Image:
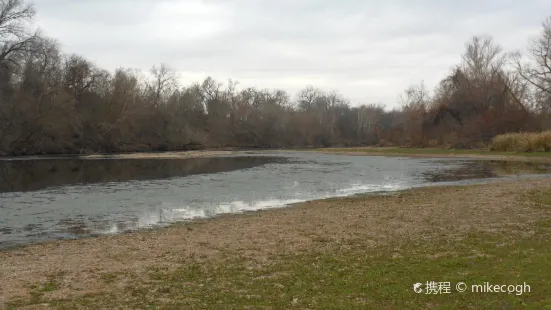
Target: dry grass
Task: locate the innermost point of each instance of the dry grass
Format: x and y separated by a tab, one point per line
522	142
68	271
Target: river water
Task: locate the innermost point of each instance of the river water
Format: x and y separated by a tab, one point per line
61	198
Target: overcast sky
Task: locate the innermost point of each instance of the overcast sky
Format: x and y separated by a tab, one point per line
369	51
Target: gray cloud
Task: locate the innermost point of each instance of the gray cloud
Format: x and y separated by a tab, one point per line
369	50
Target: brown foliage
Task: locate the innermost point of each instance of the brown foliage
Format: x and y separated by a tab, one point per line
52	103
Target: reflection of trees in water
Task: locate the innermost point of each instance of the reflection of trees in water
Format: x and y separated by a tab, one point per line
485	169
28	175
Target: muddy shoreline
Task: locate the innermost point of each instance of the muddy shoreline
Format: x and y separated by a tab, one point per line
490	156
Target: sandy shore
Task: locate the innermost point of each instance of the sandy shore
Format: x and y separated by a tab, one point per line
81	267
489	156
144	155
163	155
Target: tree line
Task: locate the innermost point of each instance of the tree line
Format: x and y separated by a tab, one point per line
53	103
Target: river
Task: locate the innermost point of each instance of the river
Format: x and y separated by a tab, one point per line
60	198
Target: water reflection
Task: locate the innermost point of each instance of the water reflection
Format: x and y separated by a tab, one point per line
117	195
32	175
485	169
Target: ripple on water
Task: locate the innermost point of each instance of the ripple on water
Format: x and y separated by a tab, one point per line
154	194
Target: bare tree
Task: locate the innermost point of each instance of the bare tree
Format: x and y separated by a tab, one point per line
52	103
15	39
537	71
46	60
482	58
415	97
13	13
307	97
82	76
163	83
415	101
368	118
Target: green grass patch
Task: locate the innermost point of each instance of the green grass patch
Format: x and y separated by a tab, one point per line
49	286
357	278
353	279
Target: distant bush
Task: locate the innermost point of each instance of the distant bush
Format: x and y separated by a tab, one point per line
522	142
433	143
479	145
542	142
385	143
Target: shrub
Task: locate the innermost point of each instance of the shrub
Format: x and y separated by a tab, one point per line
542	142
522	142
385	143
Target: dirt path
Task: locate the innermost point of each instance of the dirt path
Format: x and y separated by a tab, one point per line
100	264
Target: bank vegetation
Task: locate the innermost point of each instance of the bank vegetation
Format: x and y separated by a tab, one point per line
52	103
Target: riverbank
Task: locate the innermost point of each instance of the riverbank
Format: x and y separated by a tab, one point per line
544	157
141	155
342	253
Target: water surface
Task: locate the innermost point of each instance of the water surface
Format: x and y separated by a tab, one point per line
50	199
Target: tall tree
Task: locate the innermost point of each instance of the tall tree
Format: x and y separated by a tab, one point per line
537	69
